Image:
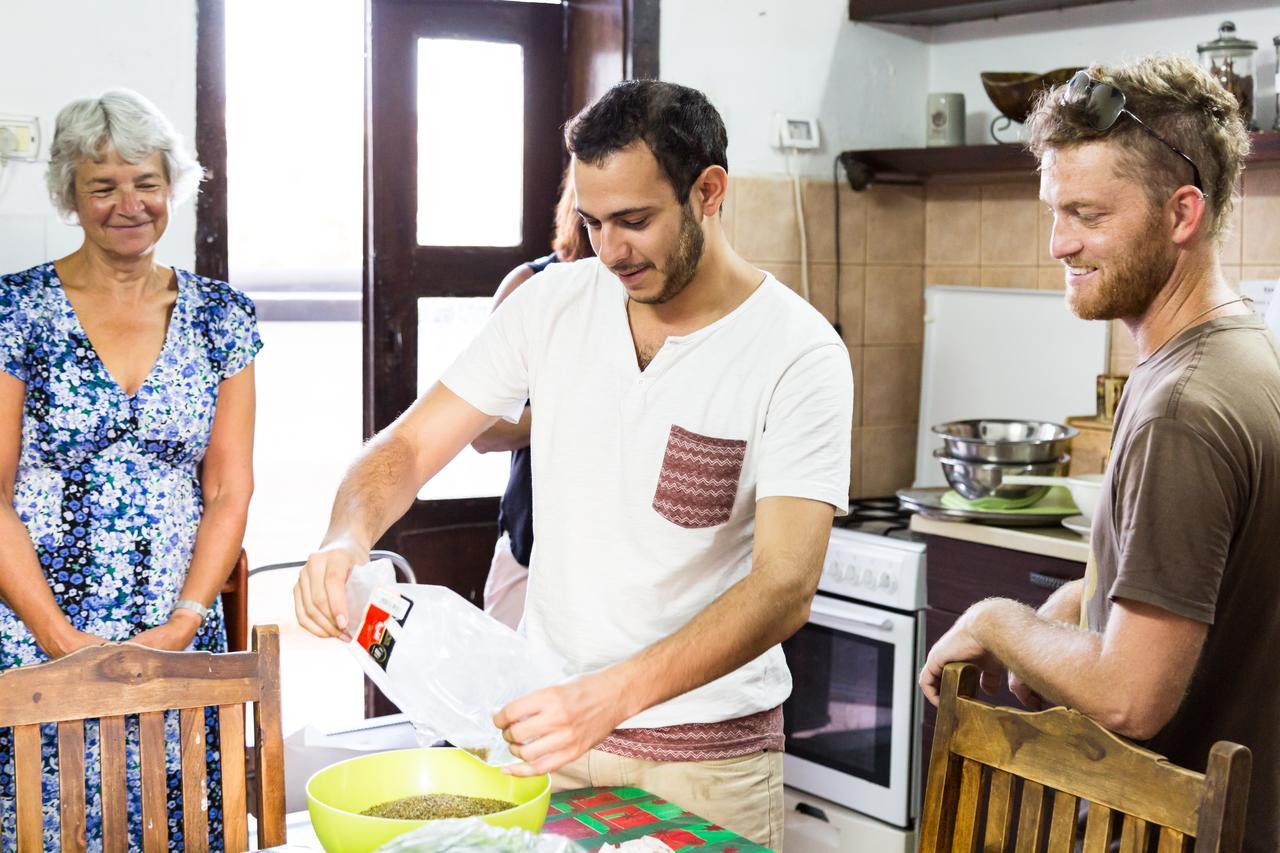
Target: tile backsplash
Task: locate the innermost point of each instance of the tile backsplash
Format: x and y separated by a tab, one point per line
897	240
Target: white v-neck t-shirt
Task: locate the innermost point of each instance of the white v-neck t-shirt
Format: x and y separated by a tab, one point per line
645	483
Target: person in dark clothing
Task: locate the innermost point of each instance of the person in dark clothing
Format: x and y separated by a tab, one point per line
509	572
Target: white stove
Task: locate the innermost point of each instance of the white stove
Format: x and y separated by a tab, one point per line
852	763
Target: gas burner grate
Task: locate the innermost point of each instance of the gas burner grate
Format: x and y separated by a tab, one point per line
876	516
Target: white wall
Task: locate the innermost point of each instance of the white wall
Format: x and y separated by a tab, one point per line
1106	33
755	58
58	50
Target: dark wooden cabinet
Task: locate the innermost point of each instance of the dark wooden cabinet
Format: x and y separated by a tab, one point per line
963	573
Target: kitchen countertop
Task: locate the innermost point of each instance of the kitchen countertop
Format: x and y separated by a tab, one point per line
1046	541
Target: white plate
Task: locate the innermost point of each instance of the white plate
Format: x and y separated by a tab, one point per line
1077	524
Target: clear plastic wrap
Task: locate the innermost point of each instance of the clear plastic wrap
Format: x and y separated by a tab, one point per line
447	665
472	835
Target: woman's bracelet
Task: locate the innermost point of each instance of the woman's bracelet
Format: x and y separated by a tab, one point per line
194	606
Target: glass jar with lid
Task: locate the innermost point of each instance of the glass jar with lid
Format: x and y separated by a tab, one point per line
1275	125
1229	59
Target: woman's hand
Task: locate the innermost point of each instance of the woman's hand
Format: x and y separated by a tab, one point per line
173	636
68	640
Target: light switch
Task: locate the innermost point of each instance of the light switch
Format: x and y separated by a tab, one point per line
19	137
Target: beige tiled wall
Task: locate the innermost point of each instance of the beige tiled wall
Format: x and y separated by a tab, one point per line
881	281
896	240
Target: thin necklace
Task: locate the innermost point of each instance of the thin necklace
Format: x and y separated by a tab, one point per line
1187	325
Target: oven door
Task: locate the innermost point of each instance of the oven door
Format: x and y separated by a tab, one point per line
850	735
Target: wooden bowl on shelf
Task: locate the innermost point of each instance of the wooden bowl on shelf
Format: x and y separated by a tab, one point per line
1015	92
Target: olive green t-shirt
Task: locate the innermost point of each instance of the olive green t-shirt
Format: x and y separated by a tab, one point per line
1189	521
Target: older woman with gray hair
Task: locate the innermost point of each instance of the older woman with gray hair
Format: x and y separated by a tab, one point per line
126	431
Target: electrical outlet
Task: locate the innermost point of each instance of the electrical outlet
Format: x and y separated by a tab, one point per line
796	131
19	137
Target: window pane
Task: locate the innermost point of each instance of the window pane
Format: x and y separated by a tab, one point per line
445	326
295	220
470	143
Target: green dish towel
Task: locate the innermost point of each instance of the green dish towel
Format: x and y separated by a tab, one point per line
1057	501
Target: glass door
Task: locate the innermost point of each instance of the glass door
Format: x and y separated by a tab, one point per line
463	159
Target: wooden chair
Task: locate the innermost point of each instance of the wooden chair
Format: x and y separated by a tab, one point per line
110	682
1043	766
235	605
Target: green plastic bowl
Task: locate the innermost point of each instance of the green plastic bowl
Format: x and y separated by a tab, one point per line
337	794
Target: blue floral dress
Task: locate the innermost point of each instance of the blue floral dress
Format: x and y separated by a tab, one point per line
108	489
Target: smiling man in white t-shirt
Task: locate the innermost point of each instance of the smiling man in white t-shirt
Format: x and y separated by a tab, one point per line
691	443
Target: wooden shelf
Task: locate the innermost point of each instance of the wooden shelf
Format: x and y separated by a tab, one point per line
931	12
914	165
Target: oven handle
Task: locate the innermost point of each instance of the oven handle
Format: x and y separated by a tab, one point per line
1049	582
881	624
820	605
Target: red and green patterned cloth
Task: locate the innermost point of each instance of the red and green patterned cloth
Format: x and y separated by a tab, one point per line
593	817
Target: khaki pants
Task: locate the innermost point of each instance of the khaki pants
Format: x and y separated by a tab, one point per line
743	794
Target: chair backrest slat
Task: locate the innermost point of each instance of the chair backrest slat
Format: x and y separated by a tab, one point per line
235	827
999	812
1062	823
1097	830
943	777
26	770
195	785
269	741
1171	841
155	814
71	785
1135	797
967	807
1030	818
115	828
1133	835
1220	828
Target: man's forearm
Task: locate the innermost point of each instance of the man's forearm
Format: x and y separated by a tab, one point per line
751	617
377	489
1064	663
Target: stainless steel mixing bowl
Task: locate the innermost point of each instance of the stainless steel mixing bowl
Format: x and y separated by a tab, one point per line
975	480
994	440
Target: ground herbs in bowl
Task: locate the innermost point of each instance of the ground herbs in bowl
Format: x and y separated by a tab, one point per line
433	806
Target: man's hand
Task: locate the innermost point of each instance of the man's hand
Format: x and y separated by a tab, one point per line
320	596
959	644
551	727
173	636
1028	697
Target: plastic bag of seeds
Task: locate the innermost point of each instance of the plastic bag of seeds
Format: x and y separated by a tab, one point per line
472	835
447	664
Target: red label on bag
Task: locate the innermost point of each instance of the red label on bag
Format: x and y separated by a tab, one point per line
374	638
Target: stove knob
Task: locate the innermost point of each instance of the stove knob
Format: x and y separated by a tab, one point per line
885	579
868	579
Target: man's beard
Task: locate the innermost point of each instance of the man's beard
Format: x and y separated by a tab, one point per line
681	262
1129	289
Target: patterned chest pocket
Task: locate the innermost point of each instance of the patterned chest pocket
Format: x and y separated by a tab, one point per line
699	479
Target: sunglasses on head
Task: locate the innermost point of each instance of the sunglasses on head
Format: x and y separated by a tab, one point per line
1103	104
